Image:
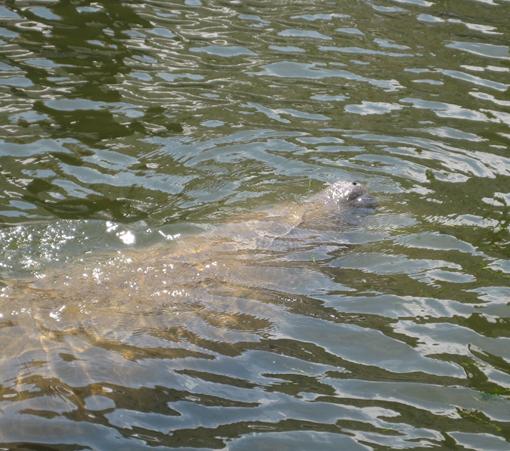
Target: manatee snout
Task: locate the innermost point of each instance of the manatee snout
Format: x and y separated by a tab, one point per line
353	194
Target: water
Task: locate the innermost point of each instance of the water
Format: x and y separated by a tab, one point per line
147	135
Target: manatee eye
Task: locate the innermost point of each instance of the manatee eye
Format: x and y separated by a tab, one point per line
354	183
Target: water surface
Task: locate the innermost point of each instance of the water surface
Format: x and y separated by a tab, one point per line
133	132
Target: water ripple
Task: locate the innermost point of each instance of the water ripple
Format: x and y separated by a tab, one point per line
164	282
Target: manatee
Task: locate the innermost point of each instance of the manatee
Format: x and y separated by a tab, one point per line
173	300
337	204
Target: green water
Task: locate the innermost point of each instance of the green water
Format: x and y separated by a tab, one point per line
142	128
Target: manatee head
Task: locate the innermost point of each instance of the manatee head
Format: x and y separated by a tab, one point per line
352	194
339	203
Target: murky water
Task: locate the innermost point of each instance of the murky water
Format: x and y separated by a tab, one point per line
146	302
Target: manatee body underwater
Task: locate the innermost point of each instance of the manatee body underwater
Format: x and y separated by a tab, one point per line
67	331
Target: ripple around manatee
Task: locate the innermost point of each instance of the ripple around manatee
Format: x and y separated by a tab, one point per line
131	129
